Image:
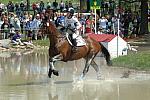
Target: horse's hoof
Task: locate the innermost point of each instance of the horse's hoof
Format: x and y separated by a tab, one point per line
82	77
55	72
109	63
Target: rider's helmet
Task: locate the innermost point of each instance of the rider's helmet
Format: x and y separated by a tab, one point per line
71	12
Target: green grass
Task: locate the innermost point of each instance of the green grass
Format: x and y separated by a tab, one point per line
41	42
140	61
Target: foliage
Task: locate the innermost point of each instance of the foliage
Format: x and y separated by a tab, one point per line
139	61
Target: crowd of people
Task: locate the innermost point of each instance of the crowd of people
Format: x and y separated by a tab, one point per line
16	21
17	17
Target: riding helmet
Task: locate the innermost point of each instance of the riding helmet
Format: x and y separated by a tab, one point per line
71	11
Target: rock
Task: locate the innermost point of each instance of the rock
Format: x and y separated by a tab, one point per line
5	43
126	74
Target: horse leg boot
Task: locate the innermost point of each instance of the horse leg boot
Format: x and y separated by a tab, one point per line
52	61
55	72
50	70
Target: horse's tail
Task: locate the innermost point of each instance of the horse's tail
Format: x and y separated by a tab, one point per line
106	55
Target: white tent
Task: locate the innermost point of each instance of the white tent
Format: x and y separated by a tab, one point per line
115	44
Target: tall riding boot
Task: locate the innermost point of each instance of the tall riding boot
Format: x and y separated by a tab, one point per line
74	48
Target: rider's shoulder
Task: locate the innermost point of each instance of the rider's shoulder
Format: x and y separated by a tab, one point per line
74	17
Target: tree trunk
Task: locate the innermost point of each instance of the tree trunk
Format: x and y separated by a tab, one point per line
83	5
28	5
144	17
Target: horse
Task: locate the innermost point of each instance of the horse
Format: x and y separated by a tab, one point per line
61	50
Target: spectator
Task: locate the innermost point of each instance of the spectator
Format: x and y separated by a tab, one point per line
36	24
66	5
16	39
103	23
1	7
17	9
10	6
37	7
34	7
55	5
1	21
30	27
89	24
48	5
17	23
70	4
22	6
41	6
5	28
61	5
11	19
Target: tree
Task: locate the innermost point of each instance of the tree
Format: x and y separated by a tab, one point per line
28	5
144	17
83	5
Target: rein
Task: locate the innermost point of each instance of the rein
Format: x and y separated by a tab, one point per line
53	34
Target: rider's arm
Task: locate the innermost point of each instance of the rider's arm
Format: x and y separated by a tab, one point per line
77	23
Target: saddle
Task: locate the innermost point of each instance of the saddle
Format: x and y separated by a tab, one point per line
77	42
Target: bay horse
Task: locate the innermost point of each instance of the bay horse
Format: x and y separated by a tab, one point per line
61	50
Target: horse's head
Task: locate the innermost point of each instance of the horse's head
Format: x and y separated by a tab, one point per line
48	27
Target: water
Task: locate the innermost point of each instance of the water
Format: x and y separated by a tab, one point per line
23	76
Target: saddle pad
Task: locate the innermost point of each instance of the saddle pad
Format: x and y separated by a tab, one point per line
79	40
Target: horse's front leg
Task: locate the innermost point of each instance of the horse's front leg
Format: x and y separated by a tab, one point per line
51	65
52	69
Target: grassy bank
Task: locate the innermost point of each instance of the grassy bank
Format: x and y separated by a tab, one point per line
41	42
140	61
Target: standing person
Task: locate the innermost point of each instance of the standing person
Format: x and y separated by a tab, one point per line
89	24
29	28
5	28
17	23
66	5
22	7
55	5
36	24
61	5
103	23
73	26
41	6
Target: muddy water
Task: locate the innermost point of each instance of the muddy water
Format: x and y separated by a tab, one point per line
23	76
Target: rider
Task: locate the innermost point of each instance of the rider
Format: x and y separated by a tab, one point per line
72	25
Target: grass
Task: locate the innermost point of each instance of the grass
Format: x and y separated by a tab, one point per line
41	42
139	61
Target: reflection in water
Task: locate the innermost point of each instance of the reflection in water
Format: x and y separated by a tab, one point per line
23	76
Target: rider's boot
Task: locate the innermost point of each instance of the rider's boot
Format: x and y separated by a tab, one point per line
74	48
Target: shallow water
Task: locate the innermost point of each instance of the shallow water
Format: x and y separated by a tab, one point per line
23	76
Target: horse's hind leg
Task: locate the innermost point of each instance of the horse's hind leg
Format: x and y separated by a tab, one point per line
87	65
97	69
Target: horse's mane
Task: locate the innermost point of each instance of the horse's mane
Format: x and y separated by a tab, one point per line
52	28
